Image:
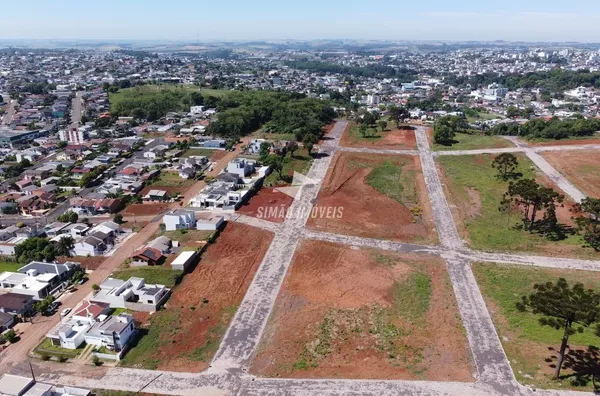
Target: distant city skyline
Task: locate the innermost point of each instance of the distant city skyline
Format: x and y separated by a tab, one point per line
187	20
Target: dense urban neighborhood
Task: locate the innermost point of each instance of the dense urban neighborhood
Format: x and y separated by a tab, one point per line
327	218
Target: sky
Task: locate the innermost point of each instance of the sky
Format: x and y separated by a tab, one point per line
188	20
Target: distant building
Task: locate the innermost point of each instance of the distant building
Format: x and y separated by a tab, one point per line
72	135
179	220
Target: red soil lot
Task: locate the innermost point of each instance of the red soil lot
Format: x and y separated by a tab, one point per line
221	278
581	167
262	205
403	138
144	209
367	212
334	303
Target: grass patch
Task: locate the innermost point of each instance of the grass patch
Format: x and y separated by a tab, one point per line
46	348
189	235
472	142
145	351
152	275
9	266
197	152
488	228
526	342
172	179
411	297
392	180
206	352
300	162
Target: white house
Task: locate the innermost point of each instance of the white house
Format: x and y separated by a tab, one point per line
241	167
180	219
112	332
133	294
212	223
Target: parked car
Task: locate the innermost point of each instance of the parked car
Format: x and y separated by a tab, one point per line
65	312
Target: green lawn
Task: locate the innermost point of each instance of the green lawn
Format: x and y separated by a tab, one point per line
188	236
477	193
152	275
172	179
9	266
46	348
260	134
583	139
525	342
472	142
198	152
392	180
163	325
484	116
300	162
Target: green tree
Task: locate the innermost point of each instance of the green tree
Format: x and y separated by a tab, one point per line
589	223
398	114
292	147
265	150
363	129
507	165
118	218
11	336
533	197
275	162
64	245
382	124
443	134
562	307
43	305
309	142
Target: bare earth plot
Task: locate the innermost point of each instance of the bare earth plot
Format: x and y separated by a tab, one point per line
474	195
144	209
185	335
362	313
380	196
268	204
581	167
531	348
404	138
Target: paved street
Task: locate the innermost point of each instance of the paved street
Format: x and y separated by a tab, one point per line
76	109
227	374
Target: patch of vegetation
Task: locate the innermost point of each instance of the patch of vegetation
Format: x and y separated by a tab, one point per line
490	229
554	128
299	162
206	352
189	236
392	180
411	297
467	141
145	352
152	275
171	179
47	348
198	152
10	266
527	343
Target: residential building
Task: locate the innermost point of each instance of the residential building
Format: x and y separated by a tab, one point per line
184	260
133	294
73	136
112	332
16	304
211	223
180	219
38	279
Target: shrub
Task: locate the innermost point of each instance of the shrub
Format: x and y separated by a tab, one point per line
96	361
45	357
62	359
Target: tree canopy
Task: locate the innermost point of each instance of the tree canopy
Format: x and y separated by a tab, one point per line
562	307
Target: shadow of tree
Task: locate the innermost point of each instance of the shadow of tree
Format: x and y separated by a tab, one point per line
584	364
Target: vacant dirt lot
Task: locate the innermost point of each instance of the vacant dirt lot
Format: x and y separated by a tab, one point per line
144	209
89	263
350	313
403	138
185	335
403	215
268	204
169	189
582	168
